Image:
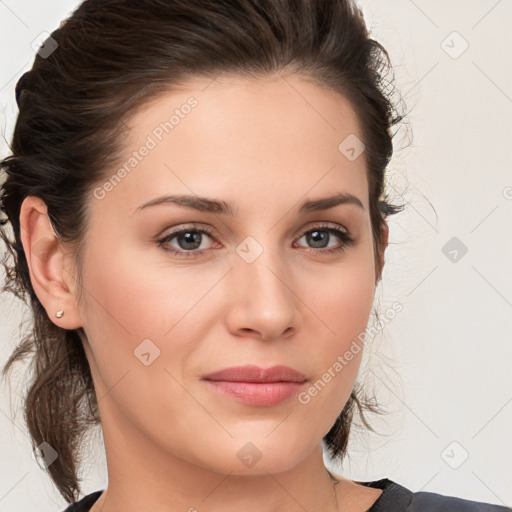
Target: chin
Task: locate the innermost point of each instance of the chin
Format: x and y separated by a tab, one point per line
257	457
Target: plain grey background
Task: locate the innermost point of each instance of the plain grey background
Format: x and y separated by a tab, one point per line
442	365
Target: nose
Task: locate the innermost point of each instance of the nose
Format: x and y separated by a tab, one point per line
263	303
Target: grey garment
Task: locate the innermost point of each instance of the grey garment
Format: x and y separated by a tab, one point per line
85	504
394	498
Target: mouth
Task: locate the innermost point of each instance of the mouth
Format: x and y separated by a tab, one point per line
257	386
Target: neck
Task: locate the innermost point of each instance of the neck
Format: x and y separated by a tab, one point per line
141	476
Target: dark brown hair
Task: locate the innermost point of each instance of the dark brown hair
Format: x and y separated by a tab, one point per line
112	57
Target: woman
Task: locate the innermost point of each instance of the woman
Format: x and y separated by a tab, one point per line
196	190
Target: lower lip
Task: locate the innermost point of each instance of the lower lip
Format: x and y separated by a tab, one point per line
257	393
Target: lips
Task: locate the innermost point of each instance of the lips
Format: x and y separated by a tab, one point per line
255	386
252	373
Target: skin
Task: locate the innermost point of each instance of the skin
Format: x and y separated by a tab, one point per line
266	145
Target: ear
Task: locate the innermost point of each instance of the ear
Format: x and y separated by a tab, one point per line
381	249
49	264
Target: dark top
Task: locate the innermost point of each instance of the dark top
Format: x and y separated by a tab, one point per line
394	498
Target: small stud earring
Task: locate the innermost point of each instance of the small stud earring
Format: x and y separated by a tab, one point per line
59	313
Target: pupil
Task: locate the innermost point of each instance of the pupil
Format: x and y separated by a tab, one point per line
316	234
189	239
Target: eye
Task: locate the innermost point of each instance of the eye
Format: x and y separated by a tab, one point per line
189	240
319	236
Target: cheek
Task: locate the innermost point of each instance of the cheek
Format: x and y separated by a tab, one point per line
342	305
342	299
135	309
130	303
139	297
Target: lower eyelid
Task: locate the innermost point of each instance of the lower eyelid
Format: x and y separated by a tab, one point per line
343	236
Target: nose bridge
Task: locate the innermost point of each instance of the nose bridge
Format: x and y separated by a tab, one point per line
262	281
261	260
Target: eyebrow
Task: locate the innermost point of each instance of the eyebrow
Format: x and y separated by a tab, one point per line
204	204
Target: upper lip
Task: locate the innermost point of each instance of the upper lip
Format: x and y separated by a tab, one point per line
252	373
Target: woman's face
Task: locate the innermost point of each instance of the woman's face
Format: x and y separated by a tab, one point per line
265	286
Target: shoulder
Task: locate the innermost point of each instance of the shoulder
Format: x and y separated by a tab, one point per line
397	498
423	501
85	504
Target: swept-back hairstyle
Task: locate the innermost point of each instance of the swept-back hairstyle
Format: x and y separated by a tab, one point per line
110	58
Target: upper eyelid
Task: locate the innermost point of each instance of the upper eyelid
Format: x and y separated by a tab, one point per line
211	232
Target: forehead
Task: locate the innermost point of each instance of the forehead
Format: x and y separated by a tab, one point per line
233	135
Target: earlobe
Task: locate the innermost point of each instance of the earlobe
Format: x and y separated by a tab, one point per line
46	262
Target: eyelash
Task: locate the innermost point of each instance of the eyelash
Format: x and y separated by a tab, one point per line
344	236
